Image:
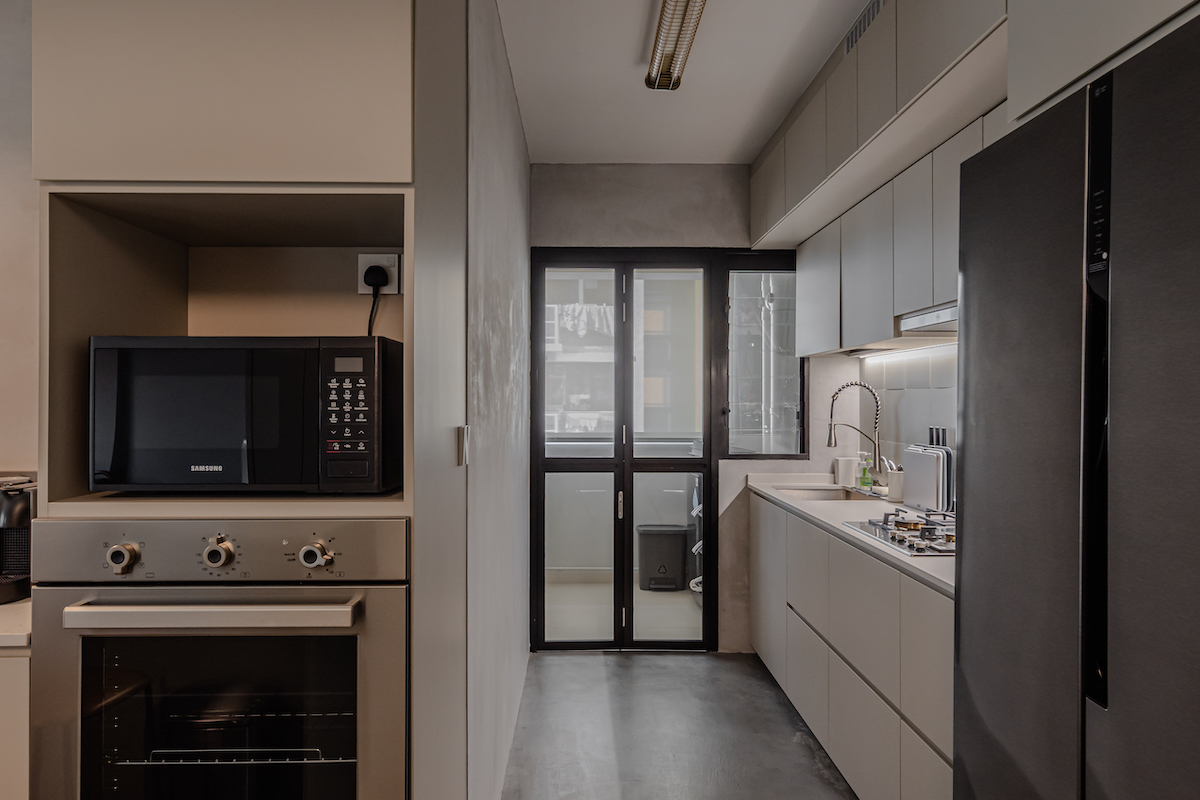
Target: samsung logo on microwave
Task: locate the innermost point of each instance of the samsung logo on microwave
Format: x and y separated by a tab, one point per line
207	468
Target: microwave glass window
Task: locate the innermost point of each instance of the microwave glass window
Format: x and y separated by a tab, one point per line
347	364
234	717
188	415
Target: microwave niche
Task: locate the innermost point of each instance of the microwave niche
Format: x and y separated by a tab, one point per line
227	414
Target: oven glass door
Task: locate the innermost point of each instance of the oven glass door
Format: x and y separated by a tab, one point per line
237	693
204	417
183	717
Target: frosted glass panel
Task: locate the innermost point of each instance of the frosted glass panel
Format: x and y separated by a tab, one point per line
580	514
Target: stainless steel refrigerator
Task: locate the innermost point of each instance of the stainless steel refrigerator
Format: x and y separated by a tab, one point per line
1077	658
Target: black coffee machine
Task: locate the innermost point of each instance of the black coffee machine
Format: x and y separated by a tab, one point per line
16	513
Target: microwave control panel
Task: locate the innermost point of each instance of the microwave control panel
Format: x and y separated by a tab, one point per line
349	382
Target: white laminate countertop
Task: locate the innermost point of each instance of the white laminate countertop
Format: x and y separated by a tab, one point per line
936	572
15	622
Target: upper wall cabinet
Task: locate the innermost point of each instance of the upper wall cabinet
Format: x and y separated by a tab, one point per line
767	193
1052	43
804	146
876	50
867	270
946	162
913	237
223	90
931	34
818	292
841	124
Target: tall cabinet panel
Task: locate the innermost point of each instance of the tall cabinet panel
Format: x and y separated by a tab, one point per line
946	162
804	146
931	34
819	292
767	193
913	232
867	270
841	125
138	90
877	73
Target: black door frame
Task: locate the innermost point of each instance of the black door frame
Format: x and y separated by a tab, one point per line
717	264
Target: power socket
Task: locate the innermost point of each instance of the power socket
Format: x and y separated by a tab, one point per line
390	261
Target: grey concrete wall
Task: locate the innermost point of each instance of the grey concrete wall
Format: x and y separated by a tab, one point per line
640	205
18	242
498	325
825	375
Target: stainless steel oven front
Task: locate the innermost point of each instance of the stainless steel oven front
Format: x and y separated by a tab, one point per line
167	677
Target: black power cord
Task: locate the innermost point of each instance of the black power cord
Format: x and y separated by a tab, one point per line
376	277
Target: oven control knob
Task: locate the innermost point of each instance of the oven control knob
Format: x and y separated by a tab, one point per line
122	557
218	553
314	555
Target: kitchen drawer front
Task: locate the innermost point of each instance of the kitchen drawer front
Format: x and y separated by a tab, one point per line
864	616
808	572
927	662
14	727
864	735
768	585
808	676
923	773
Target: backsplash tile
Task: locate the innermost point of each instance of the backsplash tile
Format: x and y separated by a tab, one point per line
916	391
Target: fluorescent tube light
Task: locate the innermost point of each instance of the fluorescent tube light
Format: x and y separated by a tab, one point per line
677	24
896	355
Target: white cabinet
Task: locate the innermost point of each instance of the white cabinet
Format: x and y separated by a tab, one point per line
841	117
923	775
223	90
14	726
864	615
1052	43
932	34
867	270
804	151
876	50
808	572
808	676
819	292
946	162
927	662
864	735
912	246
767	193
768	585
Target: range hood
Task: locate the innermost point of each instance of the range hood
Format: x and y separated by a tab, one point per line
925	328
943	319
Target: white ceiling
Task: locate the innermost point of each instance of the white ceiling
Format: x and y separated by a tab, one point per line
579	67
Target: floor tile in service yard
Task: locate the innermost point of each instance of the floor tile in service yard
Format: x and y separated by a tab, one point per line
669	726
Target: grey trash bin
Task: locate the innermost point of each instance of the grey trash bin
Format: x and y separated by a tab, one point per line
662	556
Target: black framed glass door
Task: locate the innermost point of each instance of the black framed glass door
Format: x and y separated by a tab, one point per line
621	451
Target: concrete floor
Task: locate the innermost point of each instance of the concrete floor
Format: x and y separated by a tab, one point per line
675	726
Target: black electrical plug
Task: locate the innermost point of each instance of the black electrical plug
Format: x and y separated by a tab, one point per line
376	277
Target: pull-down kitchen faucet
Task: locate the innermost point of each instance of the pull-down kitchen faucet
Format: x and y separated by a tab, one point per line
878	474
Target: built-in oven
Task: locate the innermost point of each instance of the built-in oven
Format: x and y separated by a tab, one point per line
280	673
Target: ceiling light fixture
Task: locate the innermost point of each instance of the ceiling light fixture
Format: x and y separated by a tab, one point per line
677	23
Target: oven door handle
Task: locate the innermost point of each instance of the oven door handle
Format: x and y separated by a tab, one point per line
298	615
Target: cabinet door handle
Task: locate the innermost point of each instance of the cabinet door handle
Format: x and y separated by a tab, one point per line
97	617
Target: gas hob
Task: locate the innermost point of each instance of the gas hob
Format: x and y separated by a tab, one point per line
931	534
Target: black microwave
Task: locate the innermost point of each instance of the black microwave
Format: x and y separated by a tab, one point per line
230	414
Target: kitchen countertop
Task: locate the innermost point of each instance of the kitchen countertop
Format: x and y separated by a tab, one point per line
936	572
15	623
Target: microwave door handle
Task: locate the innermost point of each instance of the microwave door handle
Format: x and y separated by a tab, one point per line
132	617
